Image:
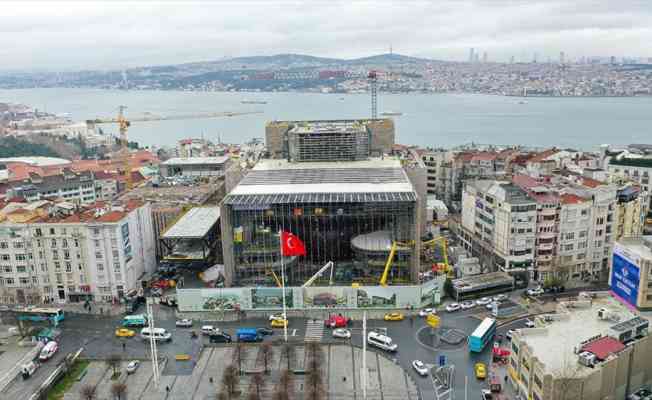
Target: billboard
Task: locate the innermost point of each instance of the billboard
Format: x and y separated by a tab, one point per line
625	277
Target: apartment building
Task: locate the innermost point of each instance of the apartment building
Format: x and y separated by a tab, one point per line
498	227
439	173
594	348
69	253
638	170
68	185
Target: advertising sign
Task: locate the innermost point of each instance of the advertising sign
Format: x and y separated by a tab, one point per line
625	277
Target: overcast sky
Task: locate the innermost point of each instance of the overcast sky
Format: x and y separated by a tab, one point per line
117	34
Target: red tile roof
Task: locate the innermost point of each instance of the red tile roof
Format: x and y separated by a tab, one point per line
604	347
484	156
571	199
538	157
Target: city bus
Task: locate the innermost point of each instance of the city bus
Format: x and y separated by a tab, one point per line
482	335
134	320
53	315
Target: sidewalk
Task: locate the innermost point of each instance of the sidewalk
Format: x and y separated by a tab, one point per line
78	308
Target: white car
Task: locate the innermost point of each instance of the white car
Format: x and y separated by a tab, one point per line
208	330
467	304
342	333
535	292
490	306
509	334
427	311
529	323
487	395
500	297
453	307
483	301
132	366
184	323
420	367
278	316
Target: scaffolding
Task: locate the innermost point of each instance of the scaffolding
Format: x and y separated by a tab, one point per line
329	141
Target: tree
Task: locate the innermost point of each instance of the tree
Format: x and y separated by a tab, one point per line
118	390
240	354
258	380
253	396
267	351
88	392
230	379
285	381
287	351
280	394
113	362
222	395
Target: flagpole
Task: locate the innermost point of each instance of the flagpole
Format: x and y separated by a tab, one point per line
285	325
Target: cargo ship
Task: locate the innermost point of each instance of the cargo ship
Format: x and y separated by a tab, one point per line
253	102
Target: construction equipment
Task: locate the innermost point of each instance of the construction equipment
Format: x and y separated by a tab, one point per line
445	267
124	123
319	273
276	279
388	264
441	267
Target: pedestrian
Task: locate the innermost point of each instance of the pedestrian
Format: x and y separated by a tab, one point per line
210	380
101	311
167	389
505	378
124	346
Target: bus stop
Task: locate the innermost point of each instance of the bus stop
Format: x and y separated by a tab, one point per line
475	286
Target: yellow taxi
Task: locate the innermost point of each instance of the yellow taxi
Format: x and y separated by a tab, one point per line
124	332
395	316
278	323
480	371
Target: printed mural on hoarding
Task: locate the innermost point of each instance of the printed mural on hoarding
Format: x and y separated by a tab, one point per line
625	277
271	298
222	299
325	297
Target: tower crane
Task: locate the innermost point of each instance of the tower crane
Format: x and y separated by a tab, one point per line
124	123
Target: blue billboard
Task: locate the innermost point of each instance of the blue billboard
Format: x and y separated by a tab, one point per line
625	279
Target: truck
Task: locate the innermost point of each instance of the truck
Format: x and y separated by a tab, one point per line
248	335
337	321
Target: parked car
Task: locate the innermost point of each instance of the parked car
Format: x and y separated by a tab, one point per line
480	370
640	394
453	307
124	332
483	301
337	321
529	323
184	323
265	331
209	329
132	366
279	323
538	291
467	304
490	306
342	333
509	334
500	297
420	367
395	316
426	311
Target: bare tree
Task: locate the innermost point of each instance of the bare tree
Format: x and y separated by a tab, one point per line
287	351
113	362
240	354
119	389
286	382
230	379
88	392
267	350
222	395
314	385
258	380
253	396
280	394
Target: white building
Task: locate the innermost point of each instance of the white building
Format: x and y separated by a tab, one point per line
195	166
70	254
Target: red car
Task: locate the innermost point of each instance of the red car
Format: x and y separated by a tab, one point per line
337	321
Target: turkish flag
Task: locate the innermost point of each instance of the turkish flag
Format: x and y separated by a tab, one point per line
291	245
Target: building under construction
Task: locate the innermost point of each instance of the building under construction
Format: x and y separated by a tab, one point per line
347	212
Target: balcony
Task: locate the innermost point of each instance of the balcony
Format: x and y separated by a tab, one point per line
546	246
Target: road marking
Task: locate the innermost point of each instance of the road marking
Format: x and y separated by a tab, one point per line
314	331
294	332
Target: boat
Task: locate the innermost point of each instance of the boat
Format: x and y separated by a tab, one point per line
391	113
522	102
253	102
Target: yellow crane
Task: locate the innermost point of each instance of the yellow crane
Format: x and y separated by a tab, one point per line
124	123
392	252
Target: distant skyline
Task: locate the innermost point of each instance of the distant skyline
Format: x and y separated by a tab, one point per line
76	35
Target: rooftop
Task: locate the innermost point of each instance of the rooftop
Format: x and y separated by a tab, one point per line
488	280
196	160
194	224
640	245
36	161
283	177
552	344
328	127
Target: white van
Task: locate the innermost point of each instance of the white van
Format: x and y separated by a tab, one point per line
48	351
156	333
381	341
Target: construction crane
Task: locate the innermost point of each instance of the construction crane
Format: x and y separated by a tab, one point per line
124	123
276	279
392	252
319	273
373	86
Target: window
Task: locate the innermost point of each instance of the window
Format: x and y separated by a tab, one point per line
39	243
7	269
98	244
38	232
68	267
59	278
568	247
583	234
3	245
585	212
116	254
51	231
44	267
96	231
21	257
5	257
34	280
66	254
55	255
581	256
116	267
20	269
41	255
76	243
64	243
98	255
570	235
582	245
54	242
45	279
598	243
9	281
18	245
100	267
57	265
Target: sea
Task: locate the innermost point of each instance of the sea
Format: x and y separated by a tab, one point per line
428	120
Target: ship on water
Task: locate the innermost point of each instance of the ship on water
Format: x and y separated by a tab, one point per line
253	101
391	113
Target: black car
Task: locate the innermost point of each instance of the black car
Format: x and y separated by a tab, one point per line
265	331
220	337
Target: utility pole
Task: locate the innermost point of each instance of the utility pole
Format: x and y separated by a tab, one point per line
152	341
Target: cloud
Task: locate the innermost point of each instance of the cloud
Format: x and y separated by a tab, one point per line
117	34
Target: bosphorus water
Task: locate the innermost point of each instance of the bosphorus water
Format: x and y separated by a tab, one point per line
428	119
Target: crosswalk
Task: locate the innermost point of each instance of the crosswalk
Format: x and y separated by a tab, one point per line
314	331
